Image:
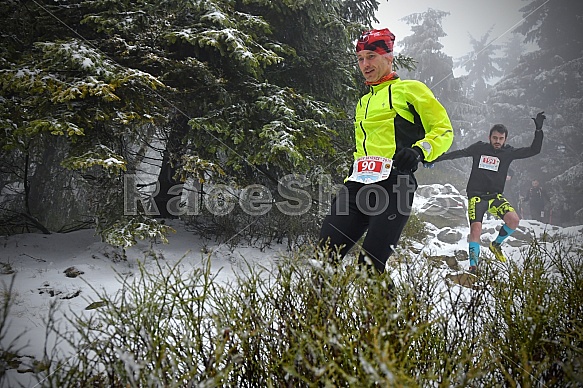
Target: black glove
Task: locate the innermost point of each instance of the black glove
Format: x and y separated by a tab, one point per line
538	122
408	158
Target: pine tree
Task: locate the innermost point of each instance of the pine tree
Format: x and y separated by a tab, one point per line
481	66
105	88
433	67
66	104
512	51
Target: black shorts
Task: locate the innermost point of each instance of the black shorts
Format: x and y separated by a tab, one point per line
495	204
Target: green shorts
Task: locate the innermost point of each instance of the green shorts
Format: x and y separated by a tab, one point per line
495	204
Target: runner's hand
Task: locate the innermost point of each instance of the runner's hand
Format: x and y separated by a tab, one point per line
538	121
408	158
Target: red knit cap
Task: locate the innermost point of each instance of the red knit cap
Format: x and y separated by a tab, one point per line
380	41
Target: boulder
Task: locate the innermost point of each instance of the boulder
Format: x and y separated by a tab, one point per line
441	205
449	235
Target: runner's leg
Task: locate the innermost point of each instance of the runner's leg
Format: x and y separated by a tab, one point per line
504	210
476	209
389	206
345	224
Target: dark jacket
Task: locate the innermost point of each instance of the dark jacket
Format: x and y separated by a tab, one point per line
490	166
537	197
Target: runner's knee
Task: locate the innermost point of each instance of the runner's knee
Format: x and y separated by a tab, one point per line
512	220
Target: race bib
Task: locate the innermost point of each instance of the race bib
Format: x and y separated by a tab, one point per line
371	169
489	163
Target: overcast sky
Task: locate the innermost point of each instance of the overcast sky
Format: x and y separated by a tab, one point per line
466	16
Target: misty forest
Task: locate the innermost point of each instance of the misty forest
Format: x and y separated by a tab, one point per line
236	118
116	113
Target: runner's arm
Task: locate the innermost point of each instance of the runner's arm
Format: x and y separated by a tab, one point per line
435	120
464	152
534	149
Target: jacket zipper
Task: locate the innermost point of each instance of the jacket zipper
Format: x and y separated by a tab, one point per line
361	126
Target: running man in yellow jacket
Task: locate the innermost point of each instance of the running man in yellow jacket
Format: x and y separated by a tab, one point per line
398	124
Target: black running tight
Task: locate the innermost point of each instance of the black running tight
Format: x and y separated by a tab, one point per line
380	209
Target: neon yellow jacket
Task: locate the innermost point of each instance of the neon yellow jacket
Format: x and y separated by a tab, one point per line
398	114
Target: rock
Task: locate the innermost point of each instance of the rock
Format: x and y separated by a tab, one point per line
95	305
72	272
464	279
452	262
484	241
461	255
520	237
442	205
438	261
6	269
449	235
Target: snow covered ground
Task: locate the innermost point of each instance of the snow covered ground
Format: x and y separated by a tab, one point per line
40	264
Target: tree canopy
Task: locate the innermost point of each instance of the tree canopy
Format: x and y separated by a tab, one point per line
549	80
91	89
481	65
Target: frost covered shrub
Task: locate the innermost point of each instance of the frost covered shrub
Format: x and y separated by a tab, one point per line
305	323
125	232
532	329
156	331
415	230
238	227
8	349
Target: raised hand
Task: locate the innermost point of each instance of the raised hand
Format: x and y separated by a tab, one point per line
538	121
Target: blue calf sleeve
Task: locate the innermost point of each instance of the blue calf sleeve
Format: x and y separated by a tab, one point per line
504	233
474	253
